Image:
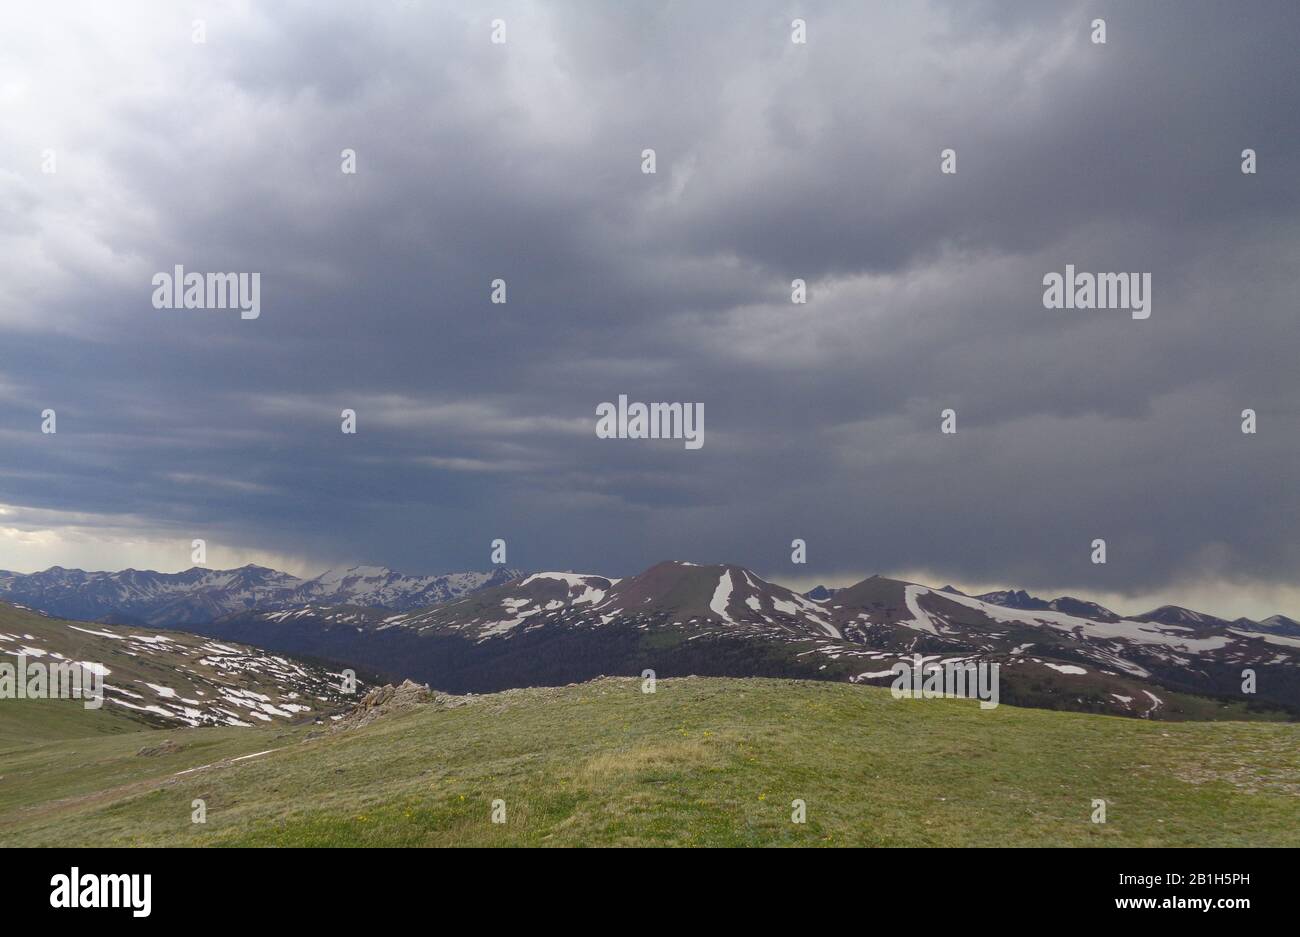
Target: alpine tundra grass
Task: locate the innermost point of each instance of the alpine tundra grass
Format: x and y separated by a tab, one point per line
698	762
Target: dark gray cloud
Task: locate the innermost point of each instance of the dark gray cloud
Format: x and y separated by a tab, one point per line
776	161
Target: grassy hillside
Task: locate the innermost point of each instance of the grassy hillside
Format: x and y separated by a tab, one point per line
702	761
22	721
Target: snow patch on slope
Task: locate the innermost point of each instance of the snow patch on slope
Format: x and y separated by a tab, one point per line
721	596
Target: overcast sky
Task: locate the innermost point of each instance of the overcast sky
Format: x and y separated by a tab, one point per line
775	160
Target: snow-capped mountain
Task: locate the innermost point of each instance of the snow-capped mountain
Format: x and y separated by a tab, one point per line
1165	614
678	618
201	595
379	587
669	593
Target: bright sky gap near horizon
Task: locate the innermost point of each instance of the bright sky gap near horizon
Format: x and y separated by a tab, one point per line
775	161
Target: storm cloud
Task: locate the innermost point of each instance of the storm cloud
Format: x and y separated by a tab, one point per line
775	161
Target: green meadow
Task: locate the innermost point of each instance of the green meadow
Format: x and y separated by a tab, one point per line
713	762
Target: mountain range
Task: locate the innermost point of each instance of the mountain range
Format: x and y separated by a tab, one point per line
145	597
680	618
1165	614
481	632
